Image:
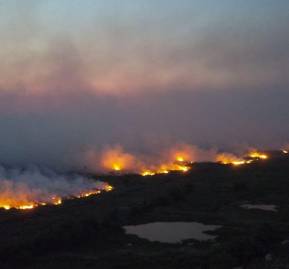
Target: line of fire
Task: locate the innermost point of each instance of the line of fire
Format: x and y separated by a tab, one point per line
180	163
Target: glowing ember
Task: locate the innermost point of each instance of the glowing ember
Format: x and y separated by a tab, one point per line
163	172
56	200
116	167
87	194
166	169
148	173
258	155
108	188
227	158
25	207
180	159
237	163
182	168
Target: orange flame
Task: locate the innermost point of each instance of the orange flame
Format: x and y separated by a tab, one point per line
228	158
24	203
115	159
258	155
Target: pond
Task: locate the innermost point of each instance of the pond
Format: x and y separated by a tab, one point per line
260	207
172	232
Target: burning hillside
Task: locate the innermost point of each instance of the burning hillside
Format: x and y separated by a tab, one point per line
179	158
29	188
32	187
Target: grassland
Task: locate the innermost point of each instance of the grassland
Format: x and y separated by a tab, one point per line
88	233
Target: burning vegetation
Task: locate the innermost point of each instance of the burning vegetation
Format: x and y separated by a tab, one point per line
24	201
178	159
30	188
115	159
250	157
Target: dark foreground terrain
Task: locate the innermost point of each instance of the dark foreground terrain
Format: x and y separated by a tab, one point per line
88	233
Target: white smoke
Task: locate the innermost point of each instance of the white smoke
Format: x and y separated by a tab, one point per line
36	185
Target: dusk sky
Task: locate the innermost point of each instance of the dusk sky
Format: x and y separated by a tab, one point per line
80	74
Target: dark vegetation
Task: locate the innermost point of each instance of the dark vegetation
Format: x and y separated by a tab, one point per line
88	233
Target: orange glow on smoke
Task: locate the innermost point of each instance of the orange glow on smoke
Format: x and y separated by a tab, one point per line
228	158
182	153
115	159
178	160
22	202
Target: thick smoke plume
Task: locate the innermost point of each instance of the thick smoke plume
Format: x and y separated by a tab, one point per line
161	74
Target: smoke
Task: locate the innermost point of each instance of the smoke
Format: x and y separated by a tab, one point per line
139	86
145	80
32	186
57	132
111	158
117	159
175	158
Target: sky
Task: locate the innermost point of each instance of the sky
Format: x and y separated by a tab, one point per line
80	74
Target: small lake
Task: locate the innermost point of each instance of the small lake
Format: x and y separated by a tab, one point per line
172	232
272	208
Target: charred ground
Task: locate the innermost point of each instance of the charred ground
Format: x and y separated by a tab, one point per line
88	233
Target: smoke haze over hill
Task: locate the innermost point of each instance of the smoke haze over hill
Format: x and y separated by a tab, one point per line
83	75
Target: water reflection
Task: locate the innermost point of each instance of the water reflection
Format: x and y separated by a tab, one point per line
172	232
260	207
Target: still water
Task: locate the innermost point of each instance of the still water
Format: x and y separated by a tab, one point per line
172	232
260	207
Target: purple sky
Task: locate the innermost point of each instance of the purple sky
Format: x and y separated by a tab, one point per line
83	74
